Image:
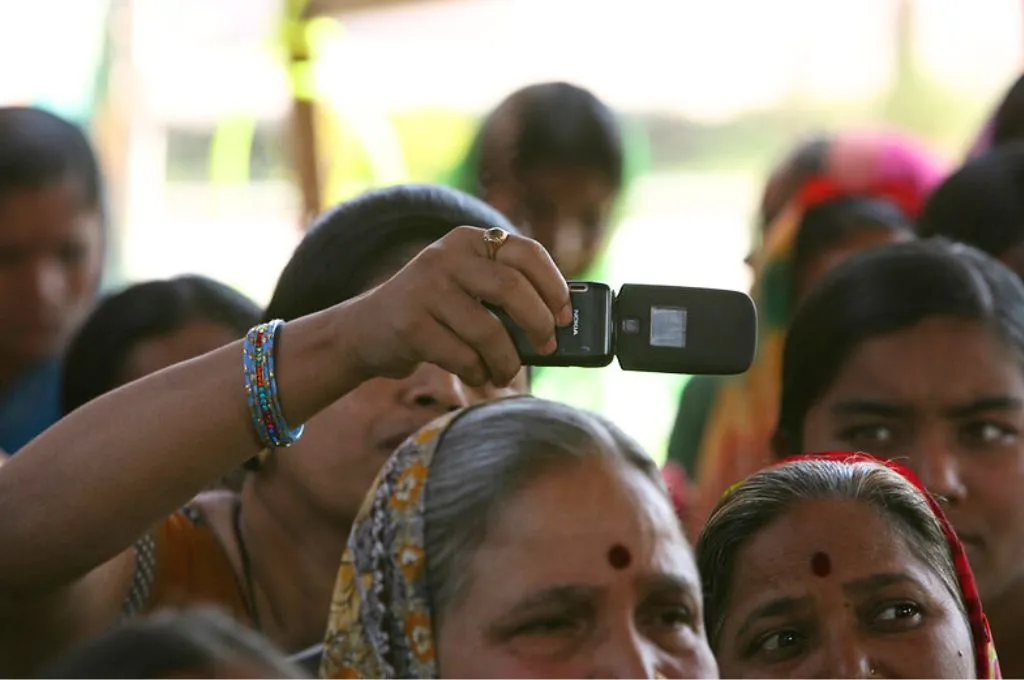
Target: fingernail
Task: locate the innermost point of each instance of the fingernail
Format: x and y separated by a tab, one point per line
550	347
565	316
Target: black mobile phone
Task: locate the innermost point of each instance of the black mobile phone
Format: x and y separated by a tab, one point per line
662	329
696	331
588	341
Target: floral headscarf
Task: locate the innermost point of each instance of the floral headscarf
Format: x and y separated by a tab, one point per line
885	166
380	619
985	658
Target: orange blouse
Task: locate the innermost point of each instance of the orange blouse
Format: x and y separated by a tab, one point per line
181	564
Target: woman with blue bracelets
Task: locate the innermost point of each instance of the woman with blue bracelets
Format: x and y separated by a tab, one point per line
77	500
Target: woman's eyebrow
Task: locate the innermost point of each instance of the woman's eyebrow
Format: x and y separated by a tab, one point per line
870	407
562	595
664	583
779	606
562	598
985	404
877	581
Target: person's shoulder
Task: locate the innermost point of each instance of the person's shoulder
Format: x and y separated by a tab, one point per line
30	405
195	556
210	514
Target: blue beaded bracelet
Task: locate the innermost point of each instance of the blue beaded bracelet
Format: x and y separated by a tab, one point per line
261	387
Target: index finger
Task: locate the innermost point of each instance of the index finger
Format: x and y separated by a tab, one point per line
534	262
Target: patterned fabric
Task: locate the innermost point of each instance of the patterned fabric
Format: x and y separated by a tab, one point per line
740	423
986	660
380	618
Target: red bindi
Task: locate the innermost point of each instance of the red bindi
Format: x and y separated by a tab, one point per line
821	565
619	557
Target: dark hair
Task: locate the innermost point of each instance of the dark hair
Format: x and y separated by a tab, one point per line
350	246
830	224
38	148
548	124
201	642
881	291
1008	122
982	203
822	228
95	359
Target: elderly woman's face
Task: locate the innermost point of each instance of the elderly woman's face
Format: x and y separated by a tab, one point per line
585	574
807	601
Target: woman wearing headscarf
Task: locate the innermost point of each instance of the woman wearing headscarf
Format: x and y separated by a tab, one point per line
891	595
455	569
833	197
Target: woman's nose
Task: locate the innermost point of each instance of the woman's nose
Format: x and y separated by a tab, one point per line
939	471
433	388
846	657
623	655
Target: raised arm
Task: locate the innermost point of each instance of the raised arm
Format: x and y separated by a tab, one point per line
85	489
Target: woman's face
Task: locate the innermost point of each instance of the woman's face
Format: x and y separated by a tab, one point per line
861	239
584	574
344	446
566	209
946	397
807	601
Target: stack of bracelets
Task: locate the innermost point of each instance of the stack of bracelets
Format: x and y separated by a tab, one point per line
261	387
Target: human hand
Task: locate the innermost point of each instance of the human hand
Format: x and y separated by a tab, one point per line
431	310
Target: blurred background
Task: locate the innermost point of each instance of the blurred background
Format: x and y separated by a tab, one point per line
225	124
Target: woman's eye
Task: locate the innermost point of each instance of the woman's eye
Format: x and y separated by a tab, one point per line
549	626
780	640
871	438
986	433
780	645
898	615
72	253
674	617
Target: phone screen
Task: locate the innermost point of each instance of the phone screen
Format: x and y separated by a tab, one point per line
668	327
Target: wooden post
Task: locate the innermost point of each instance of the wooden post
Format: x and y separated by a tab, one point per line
111	130
303	115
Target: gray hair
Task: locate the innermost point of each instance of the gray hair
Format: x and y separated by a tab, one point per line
489	454
767	495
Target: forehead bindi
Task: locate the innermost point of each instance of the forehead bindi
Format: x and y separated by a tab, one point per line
619	557
821	564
